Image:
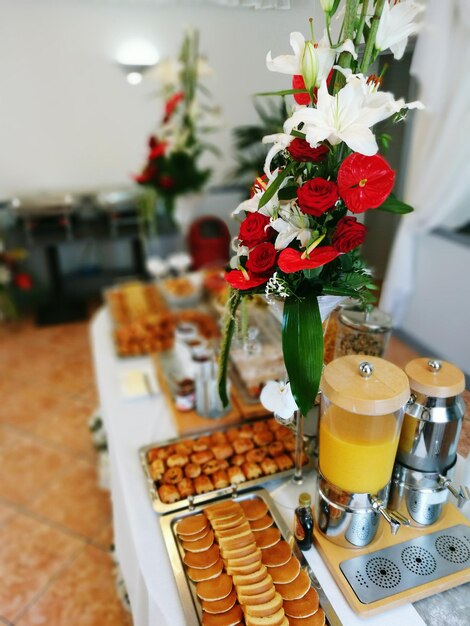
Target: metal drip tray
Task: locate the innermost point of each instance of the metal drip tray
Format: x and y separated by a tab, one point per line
386	572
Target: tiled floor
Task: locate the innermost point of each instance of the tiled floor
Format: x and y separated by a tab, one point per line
55	523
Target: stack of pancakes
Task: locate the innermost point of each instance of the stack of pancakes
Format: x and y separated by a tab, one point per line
244	572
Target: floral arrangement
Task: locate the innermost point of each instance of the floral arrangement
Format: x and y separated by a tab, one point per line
12	278
299	235
173	152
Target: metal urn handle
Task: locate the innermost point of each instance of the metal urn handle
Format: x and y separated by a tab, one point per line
394	518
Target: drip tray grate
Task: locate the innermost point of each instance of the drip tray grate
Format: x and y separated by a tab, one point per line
386	572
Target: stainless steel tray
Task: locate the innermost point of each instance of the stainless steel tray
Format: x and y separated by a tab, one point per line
191	502
187	590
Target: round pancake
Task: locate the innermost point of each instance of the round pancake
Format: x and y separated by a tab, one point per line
267	538
198	575
317	619
285	573
220	606
237	553
196	536
222	509
199	545
259	598
254	509
231	532
277	555
202	560
229	618
216	589
249	579
191	525
228	522
297	588
265	608
303	607
256	588
262	523
275	619
243	570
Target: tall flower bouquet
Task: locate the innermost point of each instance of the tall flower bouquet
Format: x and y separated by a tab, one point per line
12	279
299	235
172	166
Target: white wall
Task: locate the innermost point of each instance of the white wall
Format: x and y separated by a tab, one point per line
69	119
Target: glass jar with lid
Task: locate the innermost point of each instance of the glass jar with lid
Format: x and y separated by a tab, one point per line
362	332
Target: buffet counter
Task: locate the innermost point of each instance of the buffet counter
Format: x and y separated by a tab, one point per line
139	543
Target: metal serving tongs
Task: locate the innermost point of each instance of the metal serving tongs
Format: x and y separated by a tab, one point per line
461	492
394	518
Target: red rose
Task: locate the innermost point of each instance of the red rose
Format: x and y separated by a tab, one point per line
364	182
242	280
253	229
147	174
291	260
349	234
299	83
23	281
317	196
262	259
300	150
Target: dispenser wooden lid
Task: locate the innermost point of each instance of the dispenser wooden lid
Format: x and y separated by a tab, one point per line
365	384
435	378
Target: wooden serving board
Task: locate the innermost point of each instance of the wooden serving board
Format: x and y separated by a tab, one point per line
333	555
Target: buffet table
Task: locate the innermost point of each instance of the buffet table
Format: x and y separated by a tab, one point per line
140	548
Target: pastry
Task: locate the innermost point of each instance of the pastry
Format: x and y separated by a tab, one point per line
254	508
251	579
218	438
216	589
303	607
260	426
229	618
208	573
282	433
222	510
238	459
252	470
297	588
284	462
236	553
191	525
210	467
317	619
168	494
220	606
235	475
200	545
262	523
204	559
256	588
197	536
256	455
177	460
173	475
266	608
258	598
267	538
277	555
232	434
274	619
203	484
289	444
220	479
201	457
286	573
184	447
236	530
156	469
242	445
269	466
192	470
263	438
275	448
202	443
186	487
152	455
222	451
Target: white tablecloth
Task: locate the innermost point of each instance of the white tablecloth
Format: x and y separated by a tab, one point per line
138	539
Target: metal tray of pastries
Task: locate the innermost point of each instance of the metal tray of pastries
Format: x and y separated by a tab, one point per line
183	473
236	562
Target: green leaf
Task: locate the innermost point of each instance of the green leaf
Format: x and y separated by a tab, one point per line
287	193
229	328
302	346
274	186
284	92
393	205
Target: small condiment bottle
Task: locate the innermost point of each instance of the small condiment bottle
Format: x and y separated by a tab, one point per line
303	522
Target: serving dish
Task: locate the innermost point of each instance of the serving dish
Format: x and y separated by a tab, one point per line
249	471
187	588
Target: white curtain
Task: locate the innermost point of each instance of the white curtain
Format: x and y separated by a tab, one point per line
438	176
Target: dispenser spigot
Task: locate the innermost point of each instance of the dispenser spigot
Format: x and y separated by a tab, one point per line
461	493
394	518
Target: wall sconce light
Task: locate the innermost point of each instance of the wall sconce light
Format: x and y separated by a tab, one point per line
135	57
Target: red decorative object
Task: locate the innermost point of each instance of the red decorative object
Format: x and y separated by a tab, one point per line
209	242
364	182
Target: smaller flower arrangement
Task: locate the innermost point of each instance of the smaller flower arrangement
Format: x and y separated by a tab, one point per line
172	166
12	279
300	235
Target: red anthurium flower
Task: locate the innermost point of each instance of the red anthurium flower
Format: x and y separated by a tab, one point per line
260	184
23	281
291	260
298	83
146	175
171	104
244	280
364	182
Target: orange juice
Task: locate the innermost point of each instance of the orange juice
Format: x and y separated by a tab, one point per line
357	452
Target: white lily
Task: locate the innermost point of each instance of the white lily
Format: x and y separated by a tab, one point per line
251	205
277	397
167	72
396	25
347	116
281	141
240	250
291	224
292	64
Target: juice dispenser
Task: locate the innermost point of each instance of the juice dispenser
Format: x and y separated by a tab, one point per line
362	409
427	450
